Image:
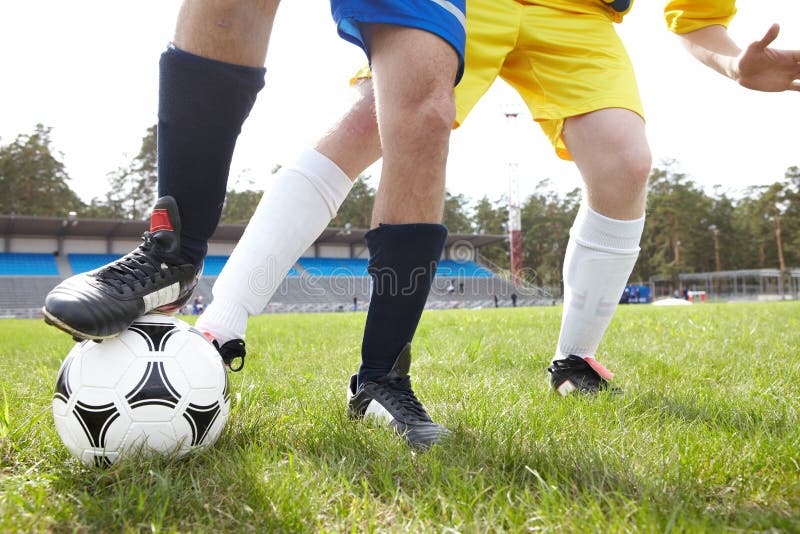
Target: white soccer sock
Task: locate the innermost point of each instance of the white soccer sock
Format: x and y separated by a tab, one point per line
297	205
600	257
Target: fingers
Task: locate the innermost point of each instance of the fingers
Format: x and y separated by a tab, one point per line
771	35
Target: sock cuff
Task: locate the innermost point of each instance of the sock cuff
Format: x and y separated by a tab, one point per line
596	231
218	317
222	93
421	239
327	177
257	73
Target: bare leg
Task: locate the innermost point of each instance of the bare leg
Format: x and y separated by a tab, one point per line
414	72
610	149
232	31
353	142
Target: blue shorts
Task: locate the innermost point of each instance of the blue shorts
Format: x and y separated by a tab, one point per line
445	18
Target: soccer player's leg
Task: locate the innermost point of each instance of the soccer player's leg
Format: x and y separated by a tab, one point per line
416	60
209	79
297	205
578	82
610	148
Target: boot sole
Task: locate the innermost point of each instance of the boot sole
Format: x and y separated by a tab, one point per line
77	335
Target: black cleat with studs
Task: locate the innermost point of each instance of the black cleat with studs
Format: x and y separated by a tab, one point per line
574	374
102	303
391	401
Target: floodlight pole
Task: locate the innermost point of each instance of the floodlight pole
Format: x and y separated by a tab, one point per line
781	261
514	211
717	259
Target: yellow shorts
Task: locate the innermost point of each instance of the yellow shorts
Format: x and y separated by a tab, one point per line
562	62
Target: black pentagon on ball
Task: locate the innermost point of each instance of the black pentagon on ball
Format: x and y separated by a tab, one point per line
154	388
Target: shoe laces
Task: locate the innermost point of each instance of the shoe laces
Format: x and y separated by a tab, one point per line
401	396
137	267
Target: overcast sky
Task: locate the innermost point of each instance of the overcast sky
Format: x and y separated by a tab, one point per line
89	69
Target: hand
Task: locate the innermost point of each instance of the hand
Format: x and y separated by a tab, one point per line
767	69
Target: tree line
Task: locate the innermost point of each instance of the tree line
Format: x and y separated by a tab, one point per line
688	229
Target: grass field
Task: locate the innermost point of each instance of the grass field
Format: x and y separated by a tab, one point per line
707	437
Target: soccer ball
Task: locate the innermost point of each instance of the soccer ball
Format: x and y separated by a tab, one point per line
158	388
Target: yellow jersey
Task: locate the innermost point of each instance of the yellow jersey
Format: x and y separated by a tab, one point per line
682	16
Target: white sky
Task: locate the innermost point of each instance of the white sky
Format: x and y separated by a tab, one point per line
89	70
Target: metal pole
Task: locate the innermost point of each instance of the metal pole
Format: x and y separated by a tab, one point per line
514	210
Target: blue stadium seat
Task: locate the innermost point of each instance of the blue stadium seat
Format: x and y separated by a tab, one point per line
18	263
334	266
461	269
313	266
86	262
82	263
213	265
358	267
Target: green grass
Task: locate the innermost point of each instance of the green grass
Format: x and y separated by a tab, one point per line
706	438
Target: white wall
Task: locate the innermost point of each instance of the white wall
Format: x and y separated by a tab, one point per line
84	246
334	251
220	249
33	244
123	247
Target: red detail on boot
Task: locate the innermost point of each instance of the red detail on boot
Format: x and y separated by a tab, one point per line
159	220
599	369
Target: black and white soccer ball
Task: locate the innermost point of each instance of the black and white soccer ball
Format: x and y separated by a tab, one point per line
158	388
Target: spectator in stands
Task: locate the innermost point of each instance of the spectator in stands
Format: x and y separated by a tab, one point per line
355	303
514	300
593	117
451	287
461	288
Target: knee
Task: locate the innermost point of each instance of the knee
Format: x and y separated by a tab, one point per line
433	115
633	169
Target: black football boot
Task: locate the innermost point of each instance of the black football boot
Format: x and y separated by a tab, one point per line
583	376
391	401
102	303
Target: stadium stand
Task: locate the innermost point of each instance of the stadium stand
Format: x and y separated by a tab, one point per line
318	282
466	269
358	267
82	263
334	266
23	296
27	264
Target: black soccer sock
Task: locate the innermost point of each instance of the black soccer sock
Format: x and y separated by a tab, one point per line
402	263
202	105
